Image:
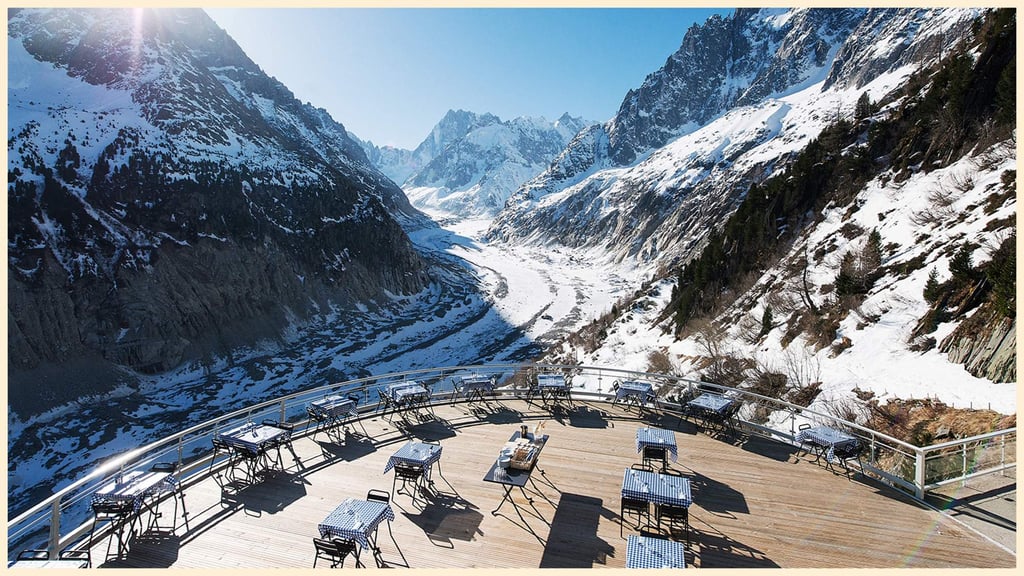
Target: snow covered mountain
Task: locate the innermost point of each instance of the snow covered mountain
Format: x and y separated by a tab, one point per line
471	163
739	97
848	243
168	200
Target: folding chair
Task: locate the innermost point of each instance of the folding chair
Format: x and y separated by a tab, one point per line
313	416
169	468
336	550
219	446
655	454
117	514
846	452
640	508
676	516
408	474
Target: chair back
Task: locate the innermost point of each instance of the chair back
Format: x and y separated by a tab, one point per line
408	471
333	549
852	450
220	444
104	509
635	504
804	426
654	453
169	467
673	512
378	496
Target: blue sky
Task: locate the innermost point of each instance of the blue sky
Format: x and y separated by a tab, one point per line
390	74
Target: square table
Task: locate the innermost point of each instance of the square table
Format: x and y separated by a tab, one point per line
656	488
255	439
356	520
332	410
648	552
827	439
511	478
417	454
474	386
710	408
408	393
553	387
657	438
635	393
136	486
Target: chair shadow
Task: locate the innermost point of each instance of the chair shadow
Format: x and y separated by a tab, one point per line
431	430
718	550
717	497
586	416
572	541
447	517
151	549
354	448
271	495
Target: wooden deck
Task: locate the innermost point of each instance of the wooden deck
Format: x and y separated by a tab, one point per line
756	504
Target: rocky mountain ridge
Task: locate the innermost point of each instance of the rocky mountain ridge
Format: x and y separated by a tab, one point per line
470	163
170	201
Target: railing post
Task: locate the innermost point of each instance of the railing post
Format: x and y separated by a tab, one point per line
181	451
963	465
919	466
281	418
53	548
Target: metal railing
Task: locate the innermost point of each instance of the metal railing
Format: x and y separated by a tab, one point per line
914	469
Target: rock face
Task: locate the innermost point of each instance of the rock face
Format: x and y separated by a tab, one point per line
648	185
986	344
169	201
471	163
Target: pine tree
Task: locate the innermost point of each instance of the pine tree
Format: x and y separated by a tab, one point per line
766	321
961	266
863	108
932	288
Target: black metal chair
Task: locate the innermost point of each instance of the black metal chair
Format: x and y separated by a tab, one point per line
408	474
314	416
336	550
375	495
117	514
219	446
675	516
846	452
640	508
806	442
284	440
657	454
168	468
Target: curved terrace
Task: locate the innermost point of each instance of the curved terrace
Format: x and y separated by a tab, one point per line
758	499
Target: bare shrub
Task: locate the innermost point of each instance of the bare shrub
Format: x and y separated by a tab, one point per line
659	362
962	181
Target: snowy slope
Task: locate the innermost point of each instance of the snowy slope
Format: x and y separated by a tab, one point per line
879	359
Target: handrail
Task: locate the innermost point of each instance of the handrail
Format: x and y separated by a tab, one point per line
157	448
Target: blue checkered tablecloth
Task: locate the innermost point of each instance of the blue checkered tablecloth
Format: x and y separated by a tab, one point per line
333	406
134	486
355	520
826	437
656	488
657	438
711	402
647	552
416	453
642	391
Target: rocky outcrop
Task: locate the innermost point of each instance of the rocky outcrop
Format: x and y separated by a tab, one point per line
986	344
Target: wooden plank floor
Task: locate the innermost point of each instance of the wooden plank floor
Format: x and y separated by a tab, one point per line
756	504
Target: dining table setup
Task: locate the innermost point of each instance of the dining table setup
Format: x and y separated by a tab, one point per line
127	496
357	520
251	443
634	393
473	387
652	552
554	389
331	411
657	444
